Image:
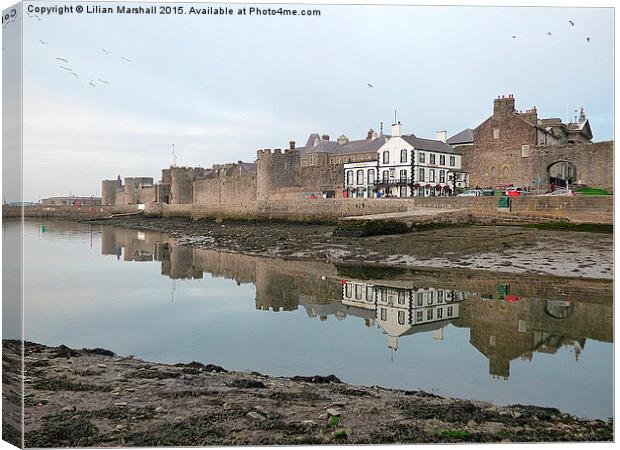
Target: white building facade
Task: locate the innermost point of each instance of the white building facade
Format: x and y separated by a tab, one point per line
408	166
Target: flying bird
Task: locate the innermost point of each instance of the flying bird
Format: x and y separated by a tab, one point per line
370	85
572	24
91	83
548	33
588	39
126	59
107	52
63	60
42	42
513	36
66	68
103	81
75	75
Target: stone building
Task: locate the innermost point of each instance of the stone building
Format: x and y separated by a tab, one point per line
518	148
71	200
134	190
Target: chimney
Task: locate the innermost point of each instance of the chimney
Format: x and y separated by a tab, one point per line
325	137
442	135
504	105
397	129
342	139
371	132
291	145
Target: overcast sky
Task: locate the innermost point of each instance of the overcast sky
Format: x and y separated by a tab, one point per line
220	88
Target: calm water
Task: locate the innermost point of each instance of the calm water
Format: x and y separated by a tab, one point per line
506	340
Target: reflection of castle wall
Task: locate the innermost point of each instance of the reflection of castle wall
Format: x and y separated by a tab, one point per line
504	331
180	264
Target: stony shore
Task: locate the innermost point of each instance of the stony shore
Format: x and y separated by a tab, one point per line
514	249
96	398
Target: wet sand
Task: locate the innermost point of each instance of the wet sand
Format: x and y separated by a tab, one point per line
95	398
511	249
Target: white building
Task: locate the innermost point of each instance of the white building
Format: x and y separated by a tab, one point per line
408	166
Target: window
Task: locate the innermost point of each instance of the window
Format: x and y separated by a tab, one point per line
349	177
442	176
358	292
429	314
495	133
442	160
525	151
419	299
401	317
403	175
386	176
452	161
371	176
430	299
348	290
431	175
440	313
383	314
450	310
386	157
360	177
432	158
401	297
422	157
439	296
419	316
369	294
403	156
421	174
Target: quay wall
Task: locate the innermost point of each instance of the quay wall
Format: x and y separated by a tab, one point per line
66	212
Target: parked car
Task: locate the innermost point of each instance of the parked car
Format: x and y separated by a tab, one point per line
471	193
515	192
561	191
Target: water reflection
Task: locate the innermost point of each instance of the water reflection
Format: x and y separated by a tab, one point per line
506	318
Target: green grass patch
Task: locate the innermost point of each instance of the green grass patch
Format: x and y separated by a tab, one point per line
333	421
592	191
569	226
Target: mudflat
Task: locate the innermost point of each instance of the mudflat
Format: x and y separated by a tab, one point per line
514	249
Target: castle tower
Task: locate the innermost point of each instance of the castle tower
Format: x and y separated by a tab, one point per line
108	191
182	183
276	170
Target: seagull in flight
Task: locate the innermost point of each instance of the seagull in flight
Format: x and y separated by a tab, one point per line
91	83
103	81
370	85
514	37
572	24
107	52
548	33
75	74
126	59
66	68
588	39
42	42
62	59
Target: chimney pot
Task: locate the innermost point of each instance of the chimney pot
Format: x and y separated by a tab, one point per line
325	137
442	135
291	145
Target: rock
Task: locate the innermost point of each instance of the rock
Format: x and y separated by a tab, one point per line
119	427
323	416
120	404
68	408
472	423
103	366
333	412
159	409
516	414
255	416
261	410
308	423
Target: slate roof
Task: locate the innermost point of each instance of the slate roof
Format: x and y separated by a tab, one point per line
361	146
430	145
464	137
250	167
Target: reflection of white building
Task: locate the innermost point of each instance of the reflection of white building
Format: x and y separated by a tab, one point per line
401	311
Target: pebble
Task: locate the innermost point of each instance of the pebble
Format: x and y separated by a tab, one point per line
120	404
159	409
333	412
472	423
308	422
103	366
516	414
119	427
255	416
68	408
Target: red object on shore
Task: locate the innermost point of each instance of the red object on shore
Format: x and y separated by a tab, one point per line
512	298
513	193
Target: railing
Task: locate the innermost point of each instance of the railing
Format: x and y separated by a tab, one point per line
395	182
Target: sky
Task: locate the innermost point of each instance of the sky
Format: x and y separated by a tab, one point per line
221	87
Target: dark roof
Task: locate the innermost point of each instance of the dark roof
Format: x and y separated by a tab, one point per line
311	139
361	146
464	137
430	145
250	167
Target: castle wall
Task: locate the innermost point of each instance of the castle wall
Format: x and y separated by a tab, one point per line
276	170
108	191
181	187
